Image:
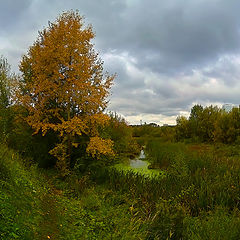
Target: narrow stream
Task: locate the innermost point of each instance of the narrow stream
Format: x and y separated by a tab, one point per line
138	165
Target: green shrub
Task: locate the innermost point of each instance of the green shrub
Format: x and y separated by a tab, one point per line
219	224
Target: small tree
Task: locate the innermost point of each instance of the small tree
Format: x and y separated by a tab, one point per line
64	88
182	128
195	120
5	97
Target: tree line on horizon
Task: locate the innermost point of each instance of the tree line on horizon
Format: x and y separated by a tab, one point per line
209	124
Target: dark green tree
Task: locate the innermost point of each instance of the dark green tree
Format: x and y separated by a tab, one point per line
182	128
195	119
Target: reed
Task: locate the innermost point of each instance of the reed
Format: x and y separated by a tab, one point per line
197	181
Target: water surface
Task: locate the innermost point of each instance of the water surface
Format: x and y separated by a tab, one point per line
138	165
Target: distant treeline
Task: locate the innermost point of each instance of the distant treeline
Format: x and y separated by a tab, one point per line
205	124
209	124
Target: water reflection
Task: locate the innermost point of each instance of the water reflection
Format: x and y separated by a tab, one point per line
142	155
138	163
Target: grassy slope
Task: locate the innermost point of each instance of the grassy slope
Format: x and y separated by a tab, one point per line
36	205
26	205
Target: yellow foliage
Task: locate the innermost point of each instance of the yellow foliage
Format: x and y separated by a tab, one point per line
98	146
64	87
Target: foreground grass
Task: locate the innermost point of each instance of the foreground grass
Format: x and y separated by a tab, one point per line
29	209
198	198
36	204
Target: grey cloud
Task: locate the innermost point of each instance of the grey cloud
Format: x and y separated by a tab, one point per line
183	34
11	11
226	69
165	36
164	52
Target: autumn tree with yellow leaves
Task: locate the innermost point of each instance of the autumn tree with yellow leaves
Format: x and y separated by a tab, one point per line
64	87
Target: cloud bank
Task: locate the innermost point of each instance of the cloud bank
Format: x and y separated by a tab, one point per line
168	55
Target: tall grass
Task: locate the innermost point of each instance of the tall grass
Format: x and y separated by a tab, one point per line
20	197
162	154
199	181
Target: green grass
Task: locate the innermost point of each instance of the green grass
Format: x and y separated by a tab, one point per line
213	176
37	205
196	198
99	214
219	224
201	186
20	197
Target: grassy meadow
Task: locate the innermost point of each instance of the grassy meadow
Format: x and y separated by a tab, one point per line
196	196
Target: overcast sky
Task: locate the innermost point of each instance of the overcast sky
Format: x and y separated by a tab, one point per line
168	54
